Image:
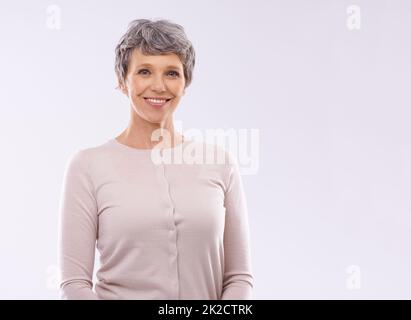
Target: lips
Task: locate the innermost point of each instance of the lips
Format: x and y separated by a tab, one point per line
157	102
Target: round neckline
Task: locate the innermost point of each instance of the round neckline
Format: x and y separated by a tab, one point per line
145	151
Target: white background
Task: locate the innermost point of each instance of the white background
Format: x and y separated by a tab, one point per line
330	205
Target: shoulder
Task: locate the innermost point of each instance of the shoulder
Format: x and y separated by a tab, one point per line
211	153
82	158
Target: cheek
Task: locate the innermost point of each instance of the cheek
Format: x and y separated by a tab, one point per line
177	88
135	90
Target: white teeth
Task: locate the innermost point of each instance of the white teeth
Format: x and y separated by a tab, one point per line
157	101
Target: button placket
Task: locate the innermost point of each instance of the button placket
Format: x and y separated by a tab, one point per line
169	203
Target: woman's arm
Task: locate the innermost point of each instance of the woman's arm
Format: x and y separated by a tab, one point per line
77	231
238	278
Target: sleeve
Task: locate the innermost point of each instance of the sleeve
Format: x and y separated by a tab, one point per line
77	231
238	279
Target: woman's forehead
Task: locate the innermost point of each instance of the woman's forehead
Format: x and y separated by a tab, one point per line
169	60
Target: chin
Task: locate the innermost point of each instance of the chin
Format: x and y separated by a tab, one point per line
155	120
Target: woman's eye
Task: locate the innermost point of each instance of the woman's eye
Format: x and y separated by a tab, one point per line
142	71
174	73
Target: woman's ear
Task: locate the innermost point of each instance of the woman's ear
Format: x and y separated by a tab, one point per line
123	87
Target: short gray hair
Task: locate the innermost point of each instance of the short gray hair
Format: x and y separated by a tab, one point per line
154	38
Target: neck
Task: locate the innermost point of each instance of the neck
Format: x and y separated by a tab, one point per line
142	134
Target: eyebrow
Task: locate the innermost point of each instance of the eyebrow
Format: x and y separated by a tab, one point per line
149	65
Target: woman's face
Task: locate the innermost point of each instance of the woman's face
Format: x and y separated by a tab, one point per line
154	76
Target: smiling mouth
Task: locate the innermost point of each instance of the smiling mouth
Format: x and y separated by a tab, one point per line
157	102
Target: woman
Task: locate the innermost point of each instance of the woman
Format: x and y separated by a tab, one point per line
163	230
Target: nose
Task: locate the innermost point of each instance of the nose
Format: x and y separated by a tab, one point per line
158	84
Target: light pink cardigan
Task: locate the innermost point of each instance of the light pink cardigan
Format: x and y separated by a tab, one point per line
163	231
